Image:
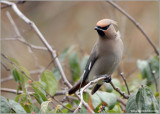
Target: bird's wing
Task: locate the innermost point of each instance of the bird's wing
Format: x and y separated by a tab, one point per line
92	59
82	82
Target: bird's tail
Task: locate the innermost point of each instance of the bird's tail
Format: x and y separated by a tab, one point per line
97	86
77	86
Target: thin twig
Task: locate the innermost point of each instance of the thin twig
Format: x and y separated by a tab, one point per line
62	104
26	43
135	23
7	69
121	101
122	75
30	93
16	66
154	77
119	91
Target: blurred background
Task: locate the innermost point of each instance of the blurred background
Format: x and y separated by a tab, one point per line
65	24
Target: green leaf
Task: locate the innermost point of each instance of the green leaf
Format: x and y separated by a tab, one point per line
84	62
39	94
38	98
145	100
74	65
44	107
23	99
145	69
95	100
35	108
51	82
142	101
18	97
116	109
14	61
154	64
16	75
131	106
86	97
109	98
16	107
5	108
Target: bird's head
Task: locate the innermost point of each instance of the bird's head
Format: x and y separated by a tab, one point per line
105	27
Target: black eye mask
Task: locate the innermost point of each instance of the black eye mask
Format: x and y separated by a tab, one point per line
100	30
104	28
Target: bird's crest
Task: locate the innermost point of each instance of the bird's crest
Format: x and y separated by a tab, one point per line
106	22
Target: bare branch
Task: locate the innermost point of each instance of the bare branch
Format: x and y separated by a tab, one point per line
122	75
6	79
121	101
119	91
62	104
135	23
26	43
18	2
7	69
30	93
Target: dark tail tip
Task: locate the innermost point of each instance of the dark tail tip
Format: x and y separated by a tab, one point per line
97	86
71	91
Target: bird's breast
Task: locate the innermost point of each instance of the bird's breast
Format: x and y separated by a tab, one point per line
108	61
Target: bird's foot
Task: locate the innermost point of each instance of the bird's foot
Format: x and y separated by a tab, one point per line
108	78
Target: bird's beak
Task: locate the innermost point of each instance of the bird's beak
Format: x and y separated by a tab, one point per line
97	28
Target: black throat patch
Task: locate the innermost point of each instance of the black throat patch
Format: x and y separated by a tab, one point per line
101	33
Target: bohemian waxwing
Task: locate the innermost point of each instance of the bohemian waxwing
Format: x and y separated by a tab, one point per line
105	55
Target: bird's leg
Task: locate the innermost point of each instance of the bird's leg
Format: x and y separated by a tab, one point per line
108	78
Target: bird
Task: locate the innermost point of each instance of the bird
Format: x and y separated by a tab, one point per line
104	58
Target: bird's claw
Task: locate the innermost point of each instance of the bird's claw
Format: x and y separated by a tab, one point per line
107	79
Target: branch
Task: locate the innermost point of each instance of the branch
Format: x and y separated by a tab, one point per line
119	91
52	52
135	23
122	75
62	104
94	81
5	57
7	69
30	93
121	101
18	2
82	90
26	43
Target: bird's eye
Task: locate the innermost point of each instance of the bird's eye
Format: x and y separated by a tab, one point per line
104	28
